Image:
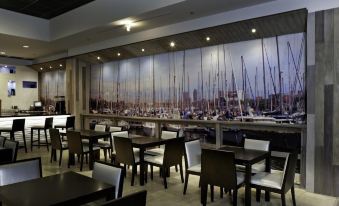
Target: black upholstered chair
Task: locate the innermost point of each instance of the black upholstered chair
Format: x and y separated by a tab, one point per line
48	125
17	126
172	157
14	145
125	155
70	123
75	146
135	199
57	144
218	169
2	141
279	183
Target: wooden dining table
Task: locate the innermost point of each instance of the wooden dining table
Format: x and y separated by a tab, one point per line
248	157
68	188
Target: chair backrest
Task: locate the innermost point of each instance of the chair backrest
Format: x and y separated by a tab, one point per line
257	144
100	128
192	153
49	123
289	171
135	199
115	129
18	125
55	139
74	142
2	141
174	150
20	171
70	122
109	174
14	145
124	150
123	134
168	134
218	168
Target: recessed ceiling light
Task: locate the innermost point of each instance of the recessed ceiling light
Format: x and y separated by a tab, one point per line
98	58
6	66
208	38
50	67
41	68
142	49
254	30
172	44
60	65
2	53
25	46
118	54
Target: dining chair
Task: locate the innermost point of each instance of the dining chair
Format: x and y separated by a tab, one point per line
125	155
57	144
135	199
17	126
260	145
109	174
192	160
279	183
2	141
105	145
47	125
218	169
70	124
14	145
172	157
75	146
21	170
123	134
164	135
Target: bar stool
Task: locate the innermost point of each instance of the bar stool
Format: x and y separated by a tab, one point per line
70	123
17	126
48	125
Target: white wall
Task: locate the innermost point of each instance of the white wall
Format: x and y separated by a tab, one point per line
24	97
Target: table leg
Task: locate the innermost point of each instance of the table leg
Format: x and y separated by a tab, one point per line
248	175
91	154
267	169
142	166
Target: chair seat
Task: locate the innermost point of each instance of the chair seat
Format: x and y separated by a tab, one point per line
102	143
85	141
155	159
256	168
272	180
86	148
155	151
38	127
195	168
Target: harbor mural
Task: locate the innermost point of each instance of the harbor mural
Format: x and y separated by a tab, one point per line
52	87
263	78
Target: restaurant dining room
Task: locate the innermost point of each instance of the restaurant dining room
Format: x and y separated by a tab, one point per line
170	102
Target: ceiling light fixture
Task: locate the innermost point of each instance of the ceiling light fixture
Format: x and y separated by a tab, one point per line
118	54
172	44
60	65
98	58
2	53
25	46
143	50
254	30
41	68
128	27
6	66
208	38
50	67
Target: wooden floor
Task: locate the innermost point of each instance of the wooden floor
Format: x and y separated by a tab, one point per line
158	196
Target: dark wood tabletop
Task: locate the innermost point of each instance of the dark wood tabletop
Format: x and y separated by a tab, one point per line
5	155
246	156
146	142
68	188
91	134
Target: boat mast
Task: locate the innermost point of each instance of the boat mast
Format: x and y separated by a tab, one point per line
280	81
263	70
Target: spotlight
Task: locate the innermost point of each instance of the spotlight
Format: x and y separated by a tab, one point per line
208	38
50	67
172	44
98	58
41	68
25	46
254	30
118	54
60	65
143	50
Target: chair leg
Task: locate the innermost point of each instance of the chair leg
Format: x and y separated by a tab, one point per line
125	170
32	142
221	192
181	173
69	160
60	158
164	175
293	196
176	168
146	172
212	193
186	182
258	194
81	161
51	154
24	138
235	197
133	174
46	140
105	154
283	200
267	196
151	172
203	194
39	138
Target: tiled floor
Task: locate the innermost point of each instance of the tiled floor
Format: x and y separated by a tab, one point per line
158	196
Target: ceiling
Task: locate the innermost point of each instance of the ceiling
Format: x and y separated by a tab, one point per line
267	26
186	10
46	9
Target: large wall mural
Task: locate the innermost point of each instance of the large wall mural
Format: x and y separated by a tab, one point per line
52	86
264	76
